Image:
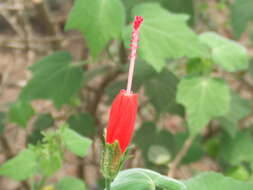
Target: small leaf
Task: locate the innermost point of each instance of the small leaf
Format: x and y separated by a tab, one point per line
70	183
54	78
241	15
204	99
20	113
76	143
50	163
158	155
44	121
143	179
206	181
102	21
237	150
164	35
20	167
239	108
83	123
230	55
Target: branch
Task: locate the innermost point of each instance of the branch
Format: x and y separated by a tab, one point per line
45	21
101	89
6	147
174	164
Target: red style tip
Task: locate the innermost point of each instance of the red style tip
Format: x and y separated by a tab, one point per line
137	22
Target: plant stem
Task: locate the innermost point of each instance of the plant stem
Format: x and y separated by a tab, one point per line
41	183
174	164
107	184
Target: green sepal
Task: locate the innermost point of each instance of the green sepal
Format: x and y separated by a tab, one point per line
112	160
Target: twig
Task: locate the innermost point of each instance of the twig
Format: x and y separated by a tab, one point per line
7	148
9	7
37	39
101	89
123	54
173	166
45	21
13	22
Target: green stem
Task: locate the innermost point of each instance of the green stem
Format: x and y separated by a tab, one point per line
108	184
41	183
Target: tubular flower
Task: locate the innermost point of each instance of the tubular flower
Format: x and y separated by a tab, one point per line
122	119
124	106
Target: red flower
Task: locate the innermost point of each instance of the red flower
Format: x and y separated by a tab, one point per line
122	119
124	106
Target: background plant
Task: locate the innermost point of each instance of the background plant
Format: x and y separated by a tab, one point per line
193	75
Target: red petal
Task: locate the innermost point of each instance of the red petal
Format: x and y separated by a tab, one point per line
122	119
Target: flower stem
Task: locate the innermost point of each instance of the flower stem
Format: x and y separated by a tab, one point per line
180	155
107	184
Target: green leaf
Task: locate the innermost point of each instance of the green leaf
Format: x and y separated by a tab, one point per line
76	143
241	15
113	89
179	6
20	113
49	153
195	67
70	183
143	179
164	146
212	146
161	91
239	172
44	121
159	155
98	21
211	181
54	78
83	123
204	99
20	167
50	162
2	122
239	109
230	55
160	138
164	35
238	149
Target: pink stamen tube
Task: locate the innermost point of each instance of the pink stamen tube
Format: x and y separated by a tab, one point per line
134	45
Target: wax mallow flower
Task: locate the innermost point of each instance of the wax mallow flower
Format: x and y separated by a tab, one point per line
122	117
